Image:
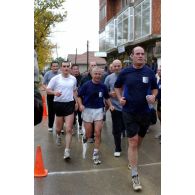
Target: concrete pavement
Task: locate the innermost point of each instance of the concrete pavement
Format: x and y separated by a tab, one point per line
80	177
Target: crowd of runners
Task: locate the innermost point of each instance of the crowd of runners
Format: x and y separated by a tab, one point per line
127	93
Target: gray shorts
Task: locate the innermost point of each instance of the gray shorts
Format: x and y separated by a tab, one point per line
92	114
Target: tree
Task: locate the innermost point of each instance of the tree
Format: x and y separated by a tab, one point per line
60	60
46	14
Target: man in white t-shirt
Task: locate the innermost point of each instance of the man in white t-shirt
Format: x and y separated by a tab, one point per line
63	87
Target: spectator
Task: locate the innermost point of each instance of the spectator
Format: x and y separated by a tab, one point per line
38	104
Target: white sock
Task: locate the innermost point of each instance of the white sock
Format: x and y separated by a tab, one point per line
95	151
67	149
134	171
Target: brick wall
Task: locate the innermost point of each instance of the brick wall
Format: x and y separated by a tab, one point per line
112	8
156	17
102	24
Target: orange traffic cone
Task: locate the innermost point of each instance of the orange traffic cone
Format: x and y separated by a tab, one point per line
44	106
39	170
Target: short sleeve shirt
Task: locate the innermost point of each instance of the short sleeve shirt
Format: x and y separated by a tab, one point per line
65	85
109	82
48	76
93	94
136	84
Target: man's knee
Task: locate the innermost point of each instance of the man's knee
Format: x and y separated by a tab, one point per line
133	141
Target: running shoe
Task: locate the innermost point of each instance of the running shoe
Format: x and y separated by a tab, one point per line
50	129
58	140
96	159
91	140
66	154
117	154
136	183
129	166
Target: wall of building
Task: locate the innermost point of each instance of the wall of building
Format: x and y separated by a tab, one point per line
152	45
102	22
112	8
156	17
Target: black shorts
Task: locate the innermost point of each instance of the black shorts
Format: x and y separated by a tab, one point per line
136	124
64	108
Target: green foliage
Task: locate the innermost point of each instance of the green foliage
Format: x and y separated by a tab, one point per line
60	60
46	14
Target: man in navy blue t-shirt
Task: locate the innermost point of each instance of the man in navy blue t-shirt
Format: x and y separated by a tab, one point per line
137	82
91	98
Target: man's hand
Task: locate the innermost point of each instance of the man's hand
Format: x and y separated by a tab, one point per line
81	107
150	99
122	101
57	93
111	108
112	94
76	106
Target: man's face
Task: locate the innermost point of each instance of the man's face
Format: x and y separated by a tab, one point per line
54	67
97	75
65	68
116	66
138	56
75	70
92	65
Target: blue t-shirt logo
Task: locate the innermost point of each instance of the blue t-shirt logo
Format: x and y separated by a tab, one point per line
145	79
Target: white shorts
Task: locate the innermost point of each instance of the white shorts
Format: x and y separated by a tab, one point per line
92	114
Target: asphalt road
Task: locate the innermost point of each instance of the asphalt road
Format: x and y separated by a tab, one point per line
80	176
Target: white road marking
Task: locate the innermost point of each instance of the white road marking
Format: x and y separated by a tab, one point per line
150	164
83	171
97	170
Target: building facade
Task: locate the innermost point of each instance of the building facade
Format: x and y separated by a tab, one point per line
124	24
81	60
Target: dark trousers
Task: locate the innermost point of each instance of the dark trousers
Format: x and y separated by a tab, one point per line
93	131
117	128
79	117
51	112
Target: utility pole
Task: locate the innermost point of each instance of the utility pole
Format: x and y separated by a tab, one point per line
87	55
76	57
57	50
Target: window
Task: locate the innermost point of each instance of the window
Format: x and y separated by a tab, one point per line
115	32
120	30
103	12
143	19
102	45
124	3
110	41
131	24
125	27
